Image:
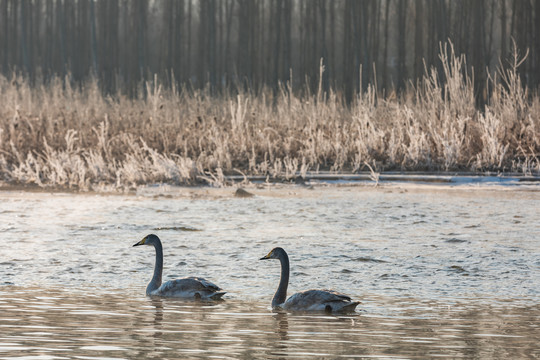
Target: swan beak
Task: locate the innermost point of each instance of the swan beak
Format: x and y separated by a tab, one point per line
140	242
266	257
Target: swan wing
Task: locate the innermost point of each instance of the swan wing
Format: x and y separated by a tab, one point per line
320	300
192	287
205	283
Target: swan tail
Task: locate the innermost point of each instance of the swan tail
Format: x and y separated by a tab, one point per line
350	307
217	295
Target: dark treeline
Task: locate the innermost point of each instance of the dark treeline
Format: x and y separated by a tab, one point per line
229	43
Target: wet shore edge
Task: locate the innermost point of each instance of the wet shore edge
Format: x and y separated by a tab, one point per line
309	179
420	177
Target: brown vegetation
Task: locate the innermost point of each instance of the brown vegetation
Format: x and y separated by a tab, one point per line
57	135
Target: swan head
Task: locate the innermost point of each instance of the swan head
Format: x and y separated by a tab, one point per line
149	240
276	253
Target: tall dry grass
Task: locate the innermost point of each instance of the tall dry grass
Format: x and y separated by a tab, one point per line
54	135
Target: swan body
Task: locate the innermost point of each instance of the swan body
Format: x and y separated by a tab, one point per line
190	287
309	300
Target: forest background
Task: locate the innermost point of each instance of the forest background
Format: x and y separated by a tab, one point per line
117	93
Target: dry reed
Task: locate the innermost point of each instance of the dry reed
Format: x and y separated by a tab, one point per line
54	135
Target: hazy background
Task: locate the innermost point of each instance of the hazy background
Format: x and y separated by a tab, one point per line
245	43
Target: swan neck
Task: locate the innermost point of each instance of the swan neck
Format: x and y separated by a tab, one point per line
281	293
155	283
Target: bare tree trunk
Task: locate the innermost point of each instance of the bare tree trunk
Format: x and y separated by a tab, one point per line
277	45
324	52
62	37
4	34
189	39
202	38
347	71
332	61
364	49
212	43
401	44
142	9
229	10
385	51
418	39
477	50
503	29
374	38
288	39
242	40
23	40
535	53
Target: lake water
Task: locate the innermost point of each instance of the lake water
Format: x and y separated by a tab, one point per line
441	271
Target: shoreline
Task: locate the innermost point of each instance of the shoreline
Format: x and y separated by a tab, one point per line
254	184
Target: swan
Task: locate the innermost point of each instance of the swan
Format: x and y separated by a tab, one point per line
309	300
190	287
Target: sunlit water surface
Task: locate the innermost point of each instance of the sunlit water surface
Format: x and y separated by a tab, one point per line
440	271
